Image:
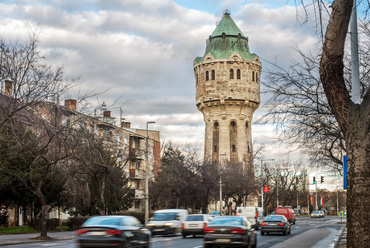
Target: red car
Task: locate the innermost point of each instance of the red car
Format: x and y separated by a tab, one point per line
287	212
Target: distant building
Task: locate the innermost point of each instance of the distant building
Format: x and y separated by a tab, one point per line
227	93
129	143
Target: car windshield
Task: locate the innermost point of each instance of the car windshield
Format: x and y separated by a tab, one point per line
103	221
274	218
227	221
164	216
194	218
315	212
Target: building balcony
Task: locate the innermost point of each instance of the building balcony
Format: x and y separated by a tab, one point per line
138	193
137	174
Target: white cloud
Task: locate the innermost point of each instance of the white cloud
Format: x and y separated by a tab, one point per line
143	51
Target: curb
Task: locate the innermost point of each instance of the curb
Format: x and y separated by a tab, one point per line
29	241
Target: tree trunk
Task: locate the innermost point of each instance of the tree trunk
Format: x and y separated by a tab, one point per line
354	123
41	198
101	196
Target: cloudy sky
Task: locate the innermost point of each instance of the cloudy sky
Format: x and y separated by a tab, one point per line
142	52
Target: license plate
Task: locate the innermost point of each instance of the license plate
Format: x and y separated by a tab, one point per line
272	224
193	225
96	233
223	240
158	230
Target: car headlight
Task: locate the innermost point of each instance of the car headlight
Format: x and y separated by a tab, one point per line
168	224
150	224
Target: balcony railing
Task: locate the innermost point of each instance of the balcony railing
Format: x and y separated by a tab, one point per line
137	174
138	193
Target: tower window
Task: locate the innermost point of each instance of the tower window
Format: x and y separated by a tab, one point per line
215	124
207	75
231	74
238	74
253	76
213	75
246	124
215	149
233	123
233	148
256	77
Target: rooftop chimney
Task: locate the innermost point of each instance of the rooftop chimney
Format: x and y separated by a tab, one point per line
71	104
126	124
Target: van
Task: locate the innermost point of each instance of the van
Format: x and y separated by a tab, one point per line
287	212
167	221
253	214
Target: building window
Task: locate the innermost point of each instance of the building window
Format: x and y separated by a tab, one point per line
215	124
256	77
233	123
207	75
238	74
137	204
215	148
231	74
213	75
253	76
233	148
247	124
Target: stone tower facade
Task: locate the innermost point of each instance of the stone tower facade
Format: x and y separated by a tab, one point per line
227	93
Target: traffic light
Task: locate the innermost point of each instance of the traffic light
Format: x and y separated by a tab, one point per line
322	179
314	180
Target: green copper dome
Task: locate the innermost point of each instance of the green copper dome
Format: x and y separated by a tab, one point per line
225	40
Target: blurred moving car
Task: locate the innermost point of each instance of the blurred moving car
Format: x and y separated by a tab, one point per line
287	212
316	214
253	214
113	231
195	224
230	231
167	221
215	213
322	213
275	223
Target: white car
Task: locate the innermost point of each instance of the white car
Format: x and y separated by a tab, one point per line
195	224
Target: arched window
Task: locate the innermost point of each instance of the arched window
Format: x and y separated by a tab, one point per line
253	76
213	74
256	77
238	74
233	123
231	74
207	75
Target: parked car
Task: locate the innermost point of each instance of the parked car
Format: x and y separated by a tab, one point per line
167	221
315	214
230	231
113	231
287	212
275	223
195	224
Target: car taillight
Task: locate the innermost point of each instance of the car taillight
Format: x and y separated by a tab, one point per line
82	231
113	232
237	230
263	224
209	230
256	215
281	224
236	213
182	225
204	225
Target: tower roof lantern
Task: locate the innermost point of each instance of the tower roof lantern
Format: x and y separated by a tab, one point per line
227	26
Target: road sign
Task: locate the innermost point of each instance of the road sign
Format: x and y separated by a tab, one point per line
266	188
341	214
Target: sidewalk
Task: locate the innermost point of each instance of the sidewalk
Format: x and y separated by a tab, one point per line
342	242
27	238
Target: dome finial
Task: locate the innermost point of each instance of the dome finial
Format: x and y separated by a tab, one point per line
227	12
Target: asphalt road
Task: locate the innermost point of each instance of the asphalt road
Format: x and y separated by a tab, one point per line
305	233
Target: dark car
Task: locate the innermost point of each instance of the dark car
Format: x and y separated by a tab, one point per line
113	231
234	231
275	223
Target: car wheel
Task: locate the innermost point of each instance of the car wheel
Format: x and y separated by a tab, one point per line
255	243
262	233
207	246
127	244
286	232
290	229
147	245
184	236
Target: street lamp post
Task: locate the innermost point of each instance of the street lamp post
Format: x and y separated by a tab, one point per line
262	160
219	171
147	175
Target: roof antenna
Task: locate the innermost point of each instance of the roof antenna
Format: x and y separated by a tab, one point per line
227	12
